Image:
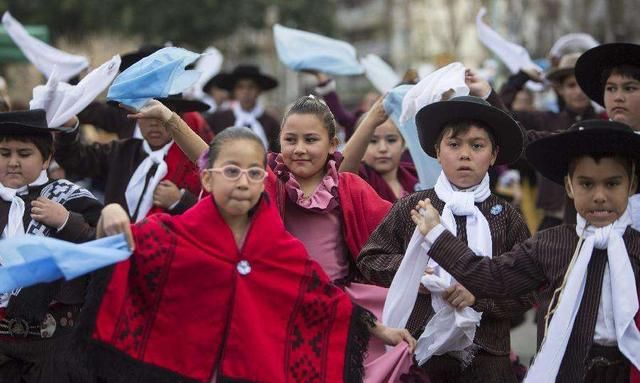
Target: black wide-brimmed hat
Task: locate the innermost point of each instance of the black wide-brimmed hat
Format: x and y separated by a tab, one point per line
131	58
176	103
179	104
431	119
228	81
213	82
551	155
594	62
25	122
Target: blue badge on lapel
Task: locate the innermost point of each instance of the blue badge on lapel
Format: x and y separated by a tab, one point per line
496	209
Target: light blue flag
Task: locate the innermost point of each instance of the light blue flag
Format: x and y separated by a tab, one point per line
157	75
300	50
428	168
30	259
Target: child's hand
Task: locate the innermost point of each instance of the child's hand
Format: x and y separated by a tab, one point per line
166	194
425	216
422	289
393	336
114	220
377	115
459	297
49	212
152	109
478	86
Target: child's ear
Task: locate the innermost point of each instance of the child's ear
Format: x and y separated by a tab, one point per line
495	155
334	145
568	187
205	180
47	162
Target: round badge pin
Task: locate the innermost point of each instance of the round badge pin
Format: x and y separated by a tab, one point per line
496	209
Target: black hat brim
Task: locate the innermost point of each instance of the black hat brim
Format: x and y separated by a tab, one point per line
594	62
551	155
25	122
181	105
227	81
431	119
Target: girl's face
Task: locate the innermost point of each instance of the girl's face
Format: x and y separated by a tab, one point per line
466	158
236	197
305	145
20	163
385	148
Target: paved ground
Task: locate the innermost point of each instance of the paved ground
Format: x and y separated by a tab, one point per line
523	339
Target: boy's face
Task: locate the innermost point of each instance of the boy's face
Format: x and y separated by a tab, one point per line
466	158
20	163
600	189
622	100
154	132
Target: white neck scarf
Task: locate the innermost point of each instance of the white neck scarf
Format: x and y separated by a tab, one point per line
463	204
133	194
250	119
625	305
15	224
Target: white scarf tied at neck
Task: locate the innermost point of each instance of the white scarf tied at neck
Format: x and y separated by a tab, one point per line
250	119
133	194
15	223
621	289
462	203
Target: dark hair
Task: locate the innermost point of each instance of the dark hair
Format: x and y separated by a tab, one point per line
314	106
233	134
43	141
625	70
626	162
460	127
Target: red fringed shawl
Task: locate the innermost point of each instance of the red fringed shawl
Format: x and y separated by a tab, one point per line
362	208
188	302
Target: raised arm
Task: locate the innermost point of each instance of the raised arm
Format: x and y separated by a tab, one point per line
357	145
190	143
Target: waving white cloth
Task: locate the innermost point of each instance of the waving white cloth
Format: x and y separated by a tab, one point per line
42	55
15	225
514	56
430	89
250	120
209	64
625	306
62	101
440	336
133	194
300	50
381	75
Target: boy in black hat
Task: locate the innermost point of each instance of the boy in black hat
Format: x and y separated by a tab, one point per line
36	322
143	176
586	274
467	136
246	83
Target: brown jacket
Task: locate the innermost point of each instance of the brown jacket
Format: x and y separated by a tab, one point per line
383	253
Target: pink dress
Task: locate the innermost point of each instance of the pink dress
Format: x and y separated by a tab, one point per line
317	222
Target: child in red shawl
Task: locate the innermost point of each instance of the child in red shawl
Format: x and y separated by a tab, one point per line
223	292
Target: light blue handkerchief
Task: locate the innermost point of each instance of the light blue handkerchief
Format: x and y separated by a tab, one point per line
300	50
428	168
157	75
30	259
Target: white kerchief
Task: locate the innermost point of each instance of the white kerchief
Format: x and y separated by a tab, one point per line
133	194
41	55
463	204
15	223
449	329
62	101
250	119
622	290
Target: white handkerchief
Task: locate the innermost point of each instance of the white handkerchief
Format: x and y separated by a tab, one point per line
381	74
430	89
209	64
42	55
62	101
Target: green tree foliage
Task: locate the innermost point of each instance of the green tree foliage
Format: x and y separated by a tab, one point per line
194	23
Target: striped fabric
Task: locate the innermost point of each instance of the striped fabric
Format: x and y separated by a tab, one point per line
382	254
538	264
